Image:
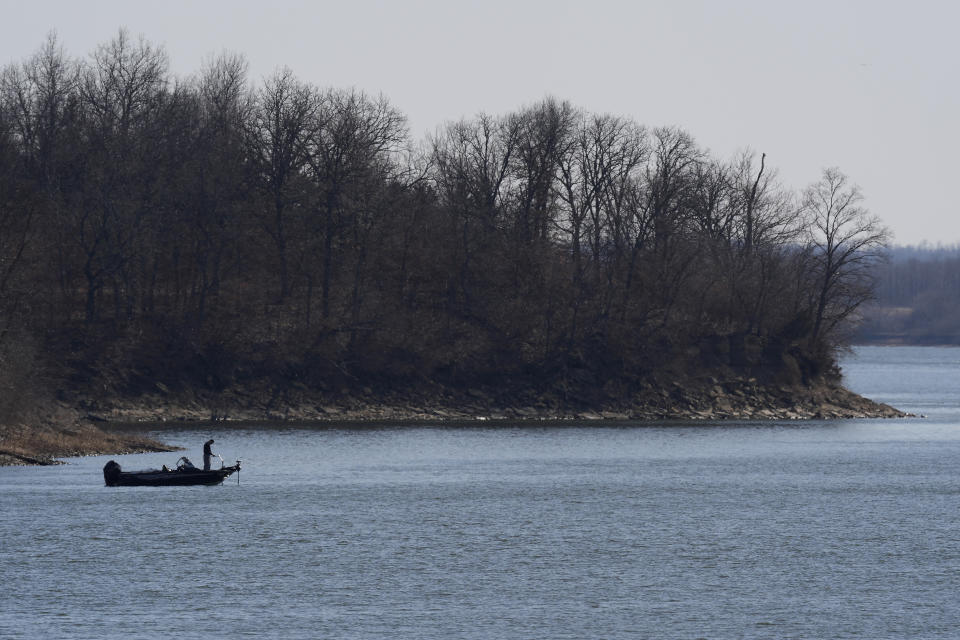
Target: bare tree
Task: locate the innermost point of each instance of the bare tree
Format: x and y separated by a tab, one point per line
121	86
471	162
16	221
350	150
278	134
284	225
123	91
764	213
670	182
595	177
846	242
545	131
763	222
38	98
598	178
219	178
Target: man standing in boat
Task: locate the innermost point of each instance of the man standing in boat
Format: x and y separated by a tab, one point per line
207	454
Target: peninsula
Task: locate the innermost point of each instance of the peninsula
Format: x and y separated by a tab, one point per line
214	249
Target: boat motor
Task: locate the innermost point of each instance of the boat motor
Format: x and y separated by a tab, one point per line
111	473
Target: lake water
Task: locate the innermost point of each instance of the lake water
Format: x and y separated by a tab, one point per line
822	529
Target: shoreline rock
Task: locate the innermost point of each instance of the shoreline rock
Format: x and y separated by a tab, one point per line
713	403
98	427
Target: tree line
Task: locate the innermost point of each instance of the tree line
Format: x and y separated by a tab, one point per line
209	222
917	297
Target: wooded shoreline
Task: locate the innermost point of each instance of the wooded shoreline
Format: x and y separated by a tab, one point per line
209	247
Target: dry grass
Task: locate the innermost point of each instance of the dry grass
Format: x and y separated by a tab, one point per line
45	440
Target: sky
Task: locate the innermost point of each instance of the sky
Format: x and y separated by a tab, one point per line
871	87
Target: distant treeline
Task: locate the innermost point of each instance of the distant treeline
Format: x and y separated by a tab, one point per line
918	297
207	227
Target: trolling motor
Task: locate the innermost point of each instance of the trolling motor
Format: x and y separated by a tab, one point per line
223	466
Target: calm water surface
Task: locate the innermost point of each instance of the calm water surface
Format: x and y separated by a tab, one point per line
831	529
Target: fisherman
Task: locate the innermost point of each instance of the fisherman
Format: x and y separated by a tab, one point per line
207	454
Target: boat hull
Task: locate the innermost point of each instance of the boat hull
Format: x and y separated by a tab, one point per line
114	477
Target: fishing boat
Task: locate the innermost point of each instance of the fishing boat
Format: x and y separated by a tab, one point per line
184	474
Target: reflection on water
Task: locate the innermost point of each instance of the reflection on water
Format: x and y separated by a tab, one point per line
759	530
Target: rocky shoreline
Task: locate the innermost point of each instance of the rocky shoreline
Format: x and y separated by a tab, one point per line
675	404
711	401
91	427
735	398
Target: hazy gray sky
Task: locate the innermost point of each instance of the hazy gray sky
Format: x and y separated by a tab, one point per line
870	87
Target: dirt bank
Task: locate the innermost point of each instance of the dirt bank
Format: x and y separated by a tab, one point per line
85	428
709	400
62	432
